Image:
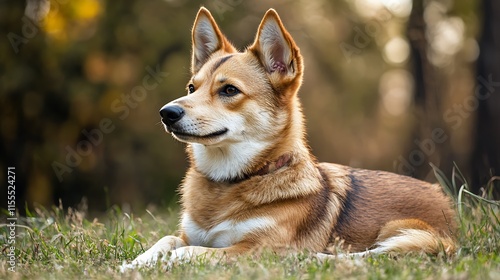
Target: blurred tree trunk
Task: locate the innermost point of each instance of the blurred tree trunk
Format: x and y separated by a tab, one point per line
13	147
429	86
485	160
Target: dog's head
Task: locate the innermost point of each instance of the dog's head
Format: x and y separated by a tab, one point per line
237	97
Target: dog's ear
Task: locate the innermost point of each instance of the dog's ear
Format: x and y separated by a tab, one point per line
207	39
275	47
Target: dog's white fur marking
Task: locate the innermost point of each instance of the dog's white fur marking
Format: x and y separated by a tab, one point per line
228	162
409	238
224	234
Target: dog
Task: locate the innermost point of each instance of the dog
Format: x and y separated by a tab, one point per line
253	182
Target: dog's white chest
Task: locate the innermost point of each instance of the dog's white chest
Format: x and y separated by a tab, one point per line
225	233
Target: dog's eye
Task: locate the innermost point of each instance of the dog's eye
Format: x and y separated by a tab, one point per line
191	88
229	90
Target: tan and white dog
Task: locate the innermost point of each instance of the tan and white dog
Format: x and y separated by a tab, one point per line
253	182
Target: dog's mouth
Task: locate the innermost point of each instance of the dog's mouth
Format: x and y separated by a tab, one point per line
188	136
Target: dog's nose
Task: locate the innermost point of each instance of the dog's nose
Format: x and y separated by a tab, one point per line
170	114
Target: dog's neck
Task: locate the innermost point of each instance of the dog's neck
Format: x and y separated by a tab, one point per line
234	170
224	164
269	167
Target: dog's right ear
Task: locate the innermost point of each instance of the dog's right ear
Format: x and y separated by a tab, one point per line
207	39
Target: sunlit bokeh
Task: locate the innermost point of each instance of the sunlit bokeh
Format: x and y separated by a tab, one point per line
37	10
371	8
368	8
79	26
396	91
400	8
396	50
445	34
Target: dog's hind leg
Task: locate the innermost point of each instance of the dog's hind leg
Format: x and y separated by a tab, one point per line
404	236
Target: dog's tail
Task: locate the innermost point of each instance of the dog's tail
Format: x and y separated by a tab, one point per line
416	240
412	235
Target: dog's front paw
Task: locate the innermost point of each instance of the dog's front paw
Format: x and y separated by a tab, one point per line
151	256
146	259
185	255
175	257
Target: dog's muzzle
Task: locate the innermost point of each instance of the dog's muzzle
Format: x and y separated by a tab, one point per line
170	114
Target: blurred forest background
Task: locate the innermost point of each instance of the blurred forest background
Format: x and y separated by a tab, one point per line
389	84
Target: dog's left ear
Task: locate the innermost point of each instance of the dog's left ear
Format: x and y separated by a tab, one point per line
275	47
207	39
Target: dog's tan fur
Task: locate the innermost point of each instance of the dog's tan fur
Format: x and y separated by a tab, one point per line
231	207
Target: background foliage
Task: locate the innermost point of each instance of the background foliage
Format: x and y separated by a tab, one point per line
388	85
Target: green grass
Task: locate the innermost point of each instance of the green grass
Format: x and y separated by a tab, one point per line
58	244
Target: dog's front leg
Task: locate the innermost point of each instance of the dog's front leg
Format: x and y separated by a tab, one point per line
150	257
203	254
